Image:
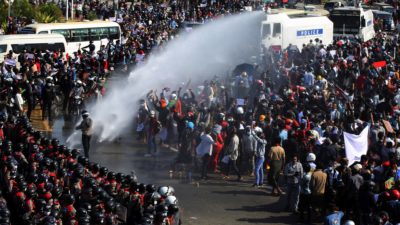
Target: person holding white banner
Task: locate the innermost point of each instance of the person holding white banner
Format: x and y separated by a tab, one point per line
356	145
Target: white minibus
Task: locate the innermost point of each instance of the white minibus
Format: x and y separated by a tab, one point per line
20	42
78	34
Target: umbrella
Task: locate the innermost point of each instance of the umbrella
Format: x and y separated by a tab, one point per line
245	67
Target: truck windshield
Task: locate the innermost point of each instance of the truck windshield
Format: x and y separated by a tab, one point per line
3	48
351	24
266	30
383	16
388	9
277	29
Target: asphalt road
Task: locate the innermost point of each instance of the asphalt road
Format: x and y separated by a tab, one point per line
212	202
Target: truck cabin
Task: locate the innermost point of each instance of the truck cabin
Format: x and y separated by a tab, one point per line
329	6
272	31
387	19
347	20
383	7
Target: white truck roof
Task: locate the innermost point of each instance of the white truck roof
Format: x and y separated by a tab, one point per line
281	17
29	37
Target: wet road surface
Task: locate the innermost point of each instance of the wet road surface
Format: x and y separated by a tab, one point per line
212	202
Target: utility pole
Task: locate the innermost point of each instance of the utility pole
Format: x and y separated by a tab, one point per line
66	10
10	2
116	3
72	9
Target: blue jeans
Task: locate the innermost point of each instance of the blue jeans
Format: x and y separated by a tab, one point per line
259	170
151	144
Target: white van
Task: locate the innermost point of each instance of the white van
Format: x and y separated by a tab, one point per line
20	42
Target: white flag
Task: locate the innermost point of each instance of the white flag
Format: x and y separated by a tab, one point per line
356	145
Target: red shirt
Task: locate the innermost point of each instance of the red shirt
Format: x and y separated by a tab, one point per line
219	142
2	134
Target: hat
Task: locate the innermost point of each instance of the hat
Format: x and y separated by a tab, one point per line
395	194
47	195
311	157
190	125
217	128
173	96
239	110
85	113
386	163
262	117
258	130
357	167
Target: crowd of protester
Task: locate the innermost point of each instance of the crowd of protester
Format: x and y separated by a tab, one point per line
285	116
53	77
44	182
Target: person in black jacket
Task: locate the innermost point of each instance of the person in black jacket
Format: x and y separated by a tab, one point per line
48	94
30	98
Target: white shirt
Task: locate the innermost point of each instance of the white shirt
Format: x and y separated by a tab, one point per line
205	146
322	52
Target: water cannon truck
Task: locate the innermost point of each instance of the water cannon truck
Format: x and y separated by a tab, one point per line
279	30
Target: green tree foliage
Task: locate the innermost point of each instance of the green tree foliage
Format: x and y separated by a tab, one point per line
44	13
22	8
3	14
92	16
3	11
48	13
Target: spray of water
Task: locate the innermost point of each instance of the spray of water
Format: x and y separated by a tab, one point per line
212	49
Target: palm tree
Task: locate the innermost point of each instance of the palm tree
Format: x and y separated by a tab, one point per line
48	13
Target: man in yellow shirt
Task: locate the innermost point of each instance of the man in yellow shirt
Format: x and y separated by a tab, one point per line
276	160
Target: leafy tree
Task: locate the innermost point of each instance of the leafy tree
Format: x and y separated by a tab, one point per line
92	16
3	11
48	13
44	17
22	8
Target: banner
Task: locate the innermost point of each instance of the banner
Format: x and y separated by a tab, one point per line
379	64
10	62
356	145
240	102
